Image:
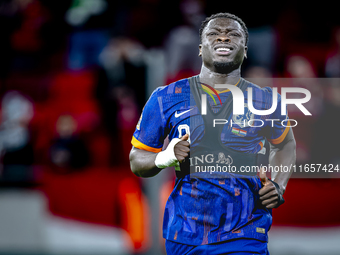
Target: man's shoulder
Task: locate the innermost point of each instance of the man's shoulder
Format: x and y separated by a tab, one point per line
257	88
175	88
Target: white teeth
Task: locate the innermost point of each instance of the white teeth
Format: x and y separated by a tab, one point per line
223	49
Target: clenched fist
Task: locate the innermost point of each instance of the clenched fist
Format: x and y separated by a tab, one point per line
182	148
270	193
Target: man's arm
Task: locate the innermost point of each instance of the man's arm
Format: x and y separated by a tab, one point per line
142	163
283	154
147	164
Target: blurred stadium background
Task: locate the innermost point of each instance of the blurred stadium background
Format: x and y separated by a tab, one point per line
74	76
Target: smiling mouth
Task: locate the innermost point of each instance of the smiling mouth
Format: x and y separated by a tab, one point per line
223	50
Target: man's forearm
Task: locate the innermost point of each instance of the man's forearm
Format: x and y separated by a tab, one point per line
283	156
142	163
147	164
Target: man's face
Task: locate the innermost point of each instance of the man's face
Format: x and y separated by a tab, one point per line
223	45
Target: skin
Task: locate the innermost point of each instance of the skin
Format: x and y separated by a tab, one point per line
142	162
228	33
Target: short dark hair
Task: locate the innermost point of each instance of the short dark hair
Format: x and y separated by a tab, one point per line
224	15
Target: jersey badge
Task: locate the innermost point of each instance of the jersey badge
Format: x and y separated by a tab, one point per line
242	120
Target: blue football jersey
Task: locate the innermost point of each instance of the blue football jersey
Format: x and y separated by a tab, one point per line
209	210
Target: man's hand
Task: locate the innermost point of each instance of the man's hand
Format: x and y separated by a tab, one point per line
174	154
270	193
182	148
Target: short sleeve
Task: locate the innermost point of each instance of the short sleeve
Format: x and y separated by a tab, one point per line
278	132
149	133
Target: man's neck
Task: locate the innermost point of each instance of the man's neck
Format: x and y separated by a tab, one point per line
212	78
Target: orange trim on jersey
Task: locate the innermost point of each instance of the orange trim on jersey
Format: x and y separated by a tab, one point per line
219	92
227	90
282	137
142	146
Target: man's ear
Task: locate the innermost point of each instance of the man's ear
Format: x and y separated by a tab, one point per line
200	50
245	51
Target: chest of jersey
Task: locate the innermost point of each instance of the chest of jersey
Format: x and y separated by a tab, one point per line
240	132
